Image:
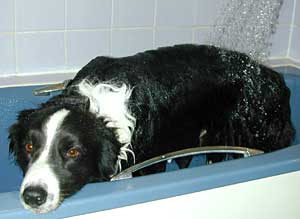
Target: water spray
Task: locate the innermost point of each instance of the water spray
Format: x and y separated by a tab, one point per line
246	26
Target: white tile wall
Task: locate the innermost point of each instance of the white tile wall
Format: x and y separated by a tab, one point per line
129	42
7	54
32	15
82	46
60	35
39	52
176	13
286	12
208	11
280	42
297	14
294	49
172	37
295	44
133	13
88	14
201	35
7	16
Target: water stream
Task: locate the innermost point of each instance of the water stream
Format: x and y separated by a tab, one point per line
246	26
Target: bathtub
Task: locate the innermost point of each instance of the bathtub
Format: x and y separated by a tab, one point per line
262	186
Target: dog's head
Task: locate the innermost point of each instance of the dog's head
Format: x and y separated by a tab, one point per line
60	148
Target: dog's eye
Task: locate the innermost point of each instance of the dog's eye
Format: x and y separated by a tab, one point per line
29	148
73	153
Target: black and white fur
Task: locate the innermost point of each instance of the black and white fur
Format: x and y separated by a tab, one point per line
121	111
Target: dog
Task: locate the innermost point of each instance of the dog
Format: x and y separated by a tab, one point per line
120	111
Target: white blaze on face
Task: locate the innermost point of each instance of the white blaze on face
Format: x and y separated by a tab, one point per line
40	172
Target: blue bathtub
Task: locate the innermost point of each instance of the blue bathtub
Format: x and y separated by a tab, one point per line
225	189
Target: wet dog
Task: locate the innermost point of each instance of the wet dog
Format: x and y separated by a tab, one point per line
121	111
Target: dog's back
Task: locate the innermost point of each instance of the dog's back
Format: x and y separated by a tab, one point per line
179	91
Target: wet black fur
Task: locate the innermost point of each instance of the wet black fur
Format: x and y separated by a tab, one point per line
178	91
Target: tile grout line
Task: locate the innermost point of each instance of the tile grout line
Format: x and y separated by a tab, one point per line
196	11
15	39
291	30
65	36
154	24
193	36
111	27
187	27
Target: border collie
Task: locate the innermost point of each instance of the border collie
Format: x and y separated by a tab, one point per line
121	111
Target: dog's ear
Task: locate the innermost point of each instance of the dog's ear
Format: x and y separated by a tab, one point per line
13	136
16	133
107	158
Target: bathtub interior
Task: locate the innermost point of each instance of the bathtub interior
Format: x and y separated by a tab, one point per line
12	100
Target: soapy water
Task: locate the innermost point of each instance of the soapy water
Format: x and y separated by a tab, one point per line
246	26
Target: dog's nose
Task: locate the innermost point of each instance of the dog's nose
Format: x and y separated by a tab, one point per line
34	196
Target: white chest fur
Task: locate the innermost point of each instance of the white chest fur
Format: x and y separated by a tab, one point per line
111	103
